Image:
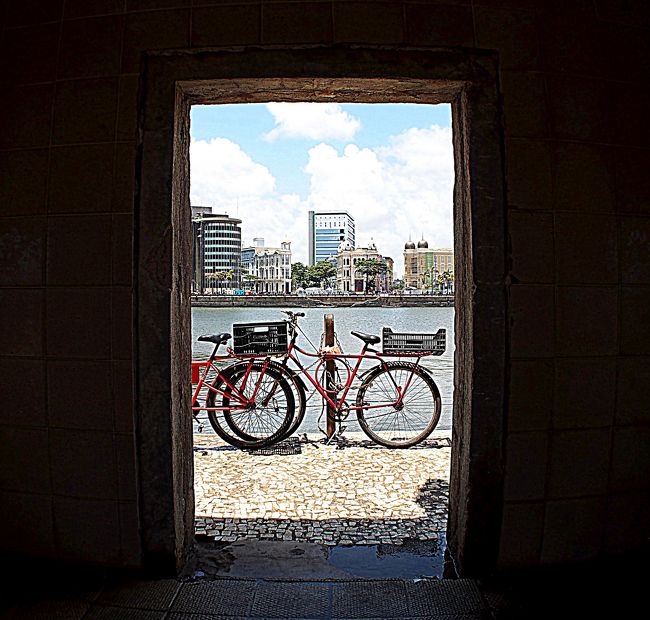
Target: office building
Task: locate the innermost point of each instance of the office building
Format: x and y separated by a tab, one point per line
216	251
349	280
327	230
267	270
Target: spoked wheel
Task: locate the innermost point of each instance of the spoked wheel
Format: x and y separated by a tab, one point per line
261	423
398	424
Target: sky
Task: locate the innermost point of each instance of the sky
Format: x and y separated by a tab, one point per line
389	165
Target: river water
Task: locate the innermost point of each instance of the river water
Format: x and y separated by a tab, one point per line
369	320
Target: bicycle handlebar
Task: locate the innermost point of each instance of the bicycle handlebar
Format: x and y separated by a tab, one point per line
293	314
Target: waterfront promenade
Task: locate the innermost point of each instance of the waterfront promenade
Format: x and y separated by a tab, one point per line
321	301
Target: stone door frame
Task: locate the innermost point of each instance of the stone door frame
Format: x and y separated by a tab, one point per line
173	81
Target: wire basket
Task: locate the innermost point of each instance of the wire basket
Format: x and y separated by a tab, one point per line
260	338
394	342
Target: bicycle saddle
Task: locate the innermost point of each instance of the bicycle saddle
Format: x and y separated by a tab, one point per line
367	338
216	338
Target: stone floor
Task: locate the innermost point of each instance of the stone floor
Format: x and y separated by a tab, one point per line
351	493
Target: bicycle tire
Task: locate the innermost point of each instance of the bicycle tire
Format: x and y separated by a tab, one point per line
388	425
298	393
268	427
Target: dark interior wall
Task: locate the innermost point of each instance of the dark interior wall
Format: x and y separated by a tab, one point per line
575	99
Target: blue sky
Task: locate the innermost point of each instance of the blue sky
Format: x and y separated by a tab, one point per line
389	165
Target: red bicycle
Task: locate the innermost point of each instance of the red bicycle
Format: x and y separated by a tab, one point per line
260	398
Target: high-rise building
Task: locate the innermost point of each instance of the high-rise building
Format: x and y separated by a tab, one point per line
216	251
327	230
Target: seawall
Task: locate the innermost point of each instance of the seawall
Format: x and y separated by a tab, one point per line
320	301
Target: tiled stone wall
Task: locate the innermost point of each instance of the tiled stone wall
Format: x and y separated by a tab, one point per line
576	130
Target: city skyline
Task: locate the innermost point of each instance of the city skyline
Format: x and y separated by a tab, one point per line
389	166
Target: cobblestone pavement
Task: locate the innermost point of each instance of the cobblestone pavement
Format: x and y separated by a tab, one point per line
303	490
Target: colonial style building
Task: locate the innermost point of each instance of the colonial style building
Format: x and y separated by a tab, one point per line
267	269
350	280
423	265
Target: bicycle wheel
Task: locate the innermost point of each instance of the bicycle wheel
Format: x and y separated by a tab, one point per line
262	423
407	423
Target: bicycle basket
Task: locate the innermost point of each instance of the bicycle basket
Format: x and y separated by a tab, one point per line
394	342
260	338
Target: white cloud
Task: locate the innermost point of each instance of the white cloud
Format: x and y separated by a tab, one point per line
316	121
393	192
224	177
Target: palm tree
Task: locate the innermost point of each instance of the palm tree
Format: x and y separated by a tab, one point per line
370	267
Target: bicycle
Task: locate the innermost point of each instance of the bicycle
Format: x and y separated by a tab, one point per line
397	404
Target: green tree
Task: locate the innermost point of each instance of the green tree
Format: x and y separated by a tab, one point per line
370	268
299	275
320	273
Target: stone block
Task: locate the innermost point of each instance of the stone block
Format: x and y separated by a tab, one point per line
144	5
83	8
87	530
123	396
368	22
635	320
587	321
81	178
154	30
24	179
627	523
526	460
33	12
531	395
521	534
80	395
124	178
579	462
130	552
26	112
586	247
32	52
127	112
635	250
529	179
531	241
90	47
579	109
585	392
584	177
631	459
226	25
24	463
122	322
21	317
573	530
22	242
83	463
78	323
524	108
633	391
79	250
27	525
23	392
122	249
629	118
439	25
85	111
532	312
512	32
286	22
632	180
126	473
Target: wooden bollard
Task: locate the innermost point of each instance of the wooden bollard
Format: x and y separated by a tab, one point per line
330	370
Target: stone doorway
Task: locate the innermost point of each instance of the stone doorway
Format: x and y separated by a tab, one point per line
171	84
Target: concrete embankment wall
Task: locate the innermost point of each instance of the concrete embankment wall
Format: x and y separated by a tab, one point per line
292	301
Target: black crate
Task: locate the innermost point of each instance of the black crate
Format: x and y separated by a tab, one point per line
414	343
260	338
